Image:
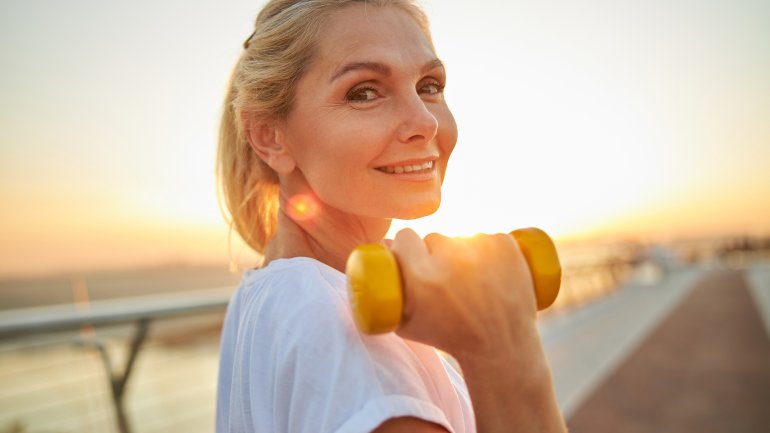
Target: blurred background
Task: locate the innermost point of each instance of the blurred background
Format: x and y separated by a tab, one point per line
635	133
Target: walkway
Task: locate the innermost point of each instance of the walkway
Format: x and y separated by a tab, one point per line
702	364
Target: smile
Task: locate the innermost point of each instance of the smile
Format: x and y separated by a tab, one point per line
411	168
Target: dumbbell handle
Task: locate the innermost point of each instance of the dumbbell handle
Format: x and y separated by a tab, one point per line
376	292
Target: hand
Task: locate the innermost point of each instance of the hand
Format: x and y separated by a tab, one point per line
474	298
471	297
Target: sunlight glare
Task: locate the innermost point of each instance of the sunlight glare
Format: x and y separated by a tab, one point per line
303	207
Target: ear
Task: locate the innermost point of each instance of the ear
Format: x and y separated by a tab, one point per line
267	139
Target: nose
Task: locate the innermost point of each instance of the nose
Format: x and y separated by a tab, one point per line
418	124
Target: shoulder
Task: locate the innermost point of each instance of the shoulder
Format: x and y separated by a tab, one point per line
290	287
302	275
296	318
297	350
292	302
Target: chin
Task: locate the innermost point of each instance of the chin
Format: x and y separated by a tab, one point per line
418	210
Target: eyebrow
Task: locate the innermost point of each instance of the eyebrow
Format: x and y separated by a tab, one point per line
380	68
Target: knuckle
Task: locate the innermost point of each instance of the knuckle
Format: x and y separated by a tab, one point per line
435	240
403	234
465	258
502	238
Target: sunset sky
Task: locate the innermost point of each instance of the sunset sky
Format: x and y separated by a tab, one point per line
588	119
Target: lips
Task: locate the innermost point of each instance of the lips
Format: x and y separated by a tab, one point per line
407	168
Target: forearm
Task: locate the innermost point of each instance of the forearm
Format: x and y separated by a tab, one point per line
512	394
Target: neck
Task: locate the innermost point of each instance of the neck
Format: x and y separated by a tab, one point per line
328	235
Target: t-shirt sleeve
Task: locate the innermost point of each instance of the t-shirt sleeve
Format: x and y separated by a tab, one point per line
319	374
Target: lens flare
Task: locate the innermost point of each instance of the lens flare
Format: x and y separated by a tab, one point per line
302	207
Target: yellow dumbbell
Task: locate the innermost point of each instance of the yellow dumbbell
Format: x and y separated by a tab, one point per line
376	293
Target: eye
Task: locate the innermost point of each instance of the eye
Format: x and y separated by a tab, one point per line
362	94
431	87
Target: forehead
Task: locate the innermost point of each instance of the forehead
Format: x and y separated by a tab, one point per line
363	32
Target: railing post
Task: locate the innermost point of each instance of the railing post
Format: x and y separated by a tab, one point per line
118	381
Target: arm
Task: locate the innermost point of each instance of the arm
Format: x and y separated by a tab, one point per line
408	424
509	392
473	298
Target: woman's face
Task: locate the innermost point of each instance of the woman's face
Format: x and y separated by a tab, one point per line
370	131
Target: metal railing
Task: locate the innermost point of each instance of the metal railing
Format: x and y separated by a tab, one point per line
138	311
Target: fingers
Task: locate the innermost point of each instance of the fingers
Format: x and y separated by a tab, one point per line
408	247
505	245
460	293
412	255
437	242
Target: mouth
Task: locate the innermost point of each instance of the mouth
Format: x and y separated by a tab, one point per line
423	167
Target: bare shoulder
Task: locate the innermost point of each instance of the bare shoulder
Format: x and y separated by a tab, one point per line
409	424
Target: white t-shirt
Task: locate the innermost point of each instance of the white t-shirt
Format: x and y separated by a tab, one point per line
292	360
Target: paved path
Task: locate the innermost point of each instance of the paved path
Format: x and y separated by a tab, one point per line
704	368
587	344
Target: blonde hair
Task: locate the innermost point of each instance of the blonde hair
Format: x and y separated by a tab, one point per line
262	85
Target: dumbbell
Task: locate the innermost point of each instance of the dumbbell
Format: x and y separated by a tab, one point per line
376	292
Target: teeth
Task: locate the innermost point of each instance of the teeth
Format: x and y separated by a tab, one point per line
398	169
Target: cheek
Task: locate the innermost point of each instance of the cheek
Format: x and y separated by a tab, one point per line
340	157
447	133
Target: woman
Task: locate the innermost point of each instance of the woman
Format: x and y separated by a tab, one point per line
335	122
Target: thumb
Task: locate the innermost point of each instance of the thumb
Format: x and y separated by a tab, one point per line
409	249
413	259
